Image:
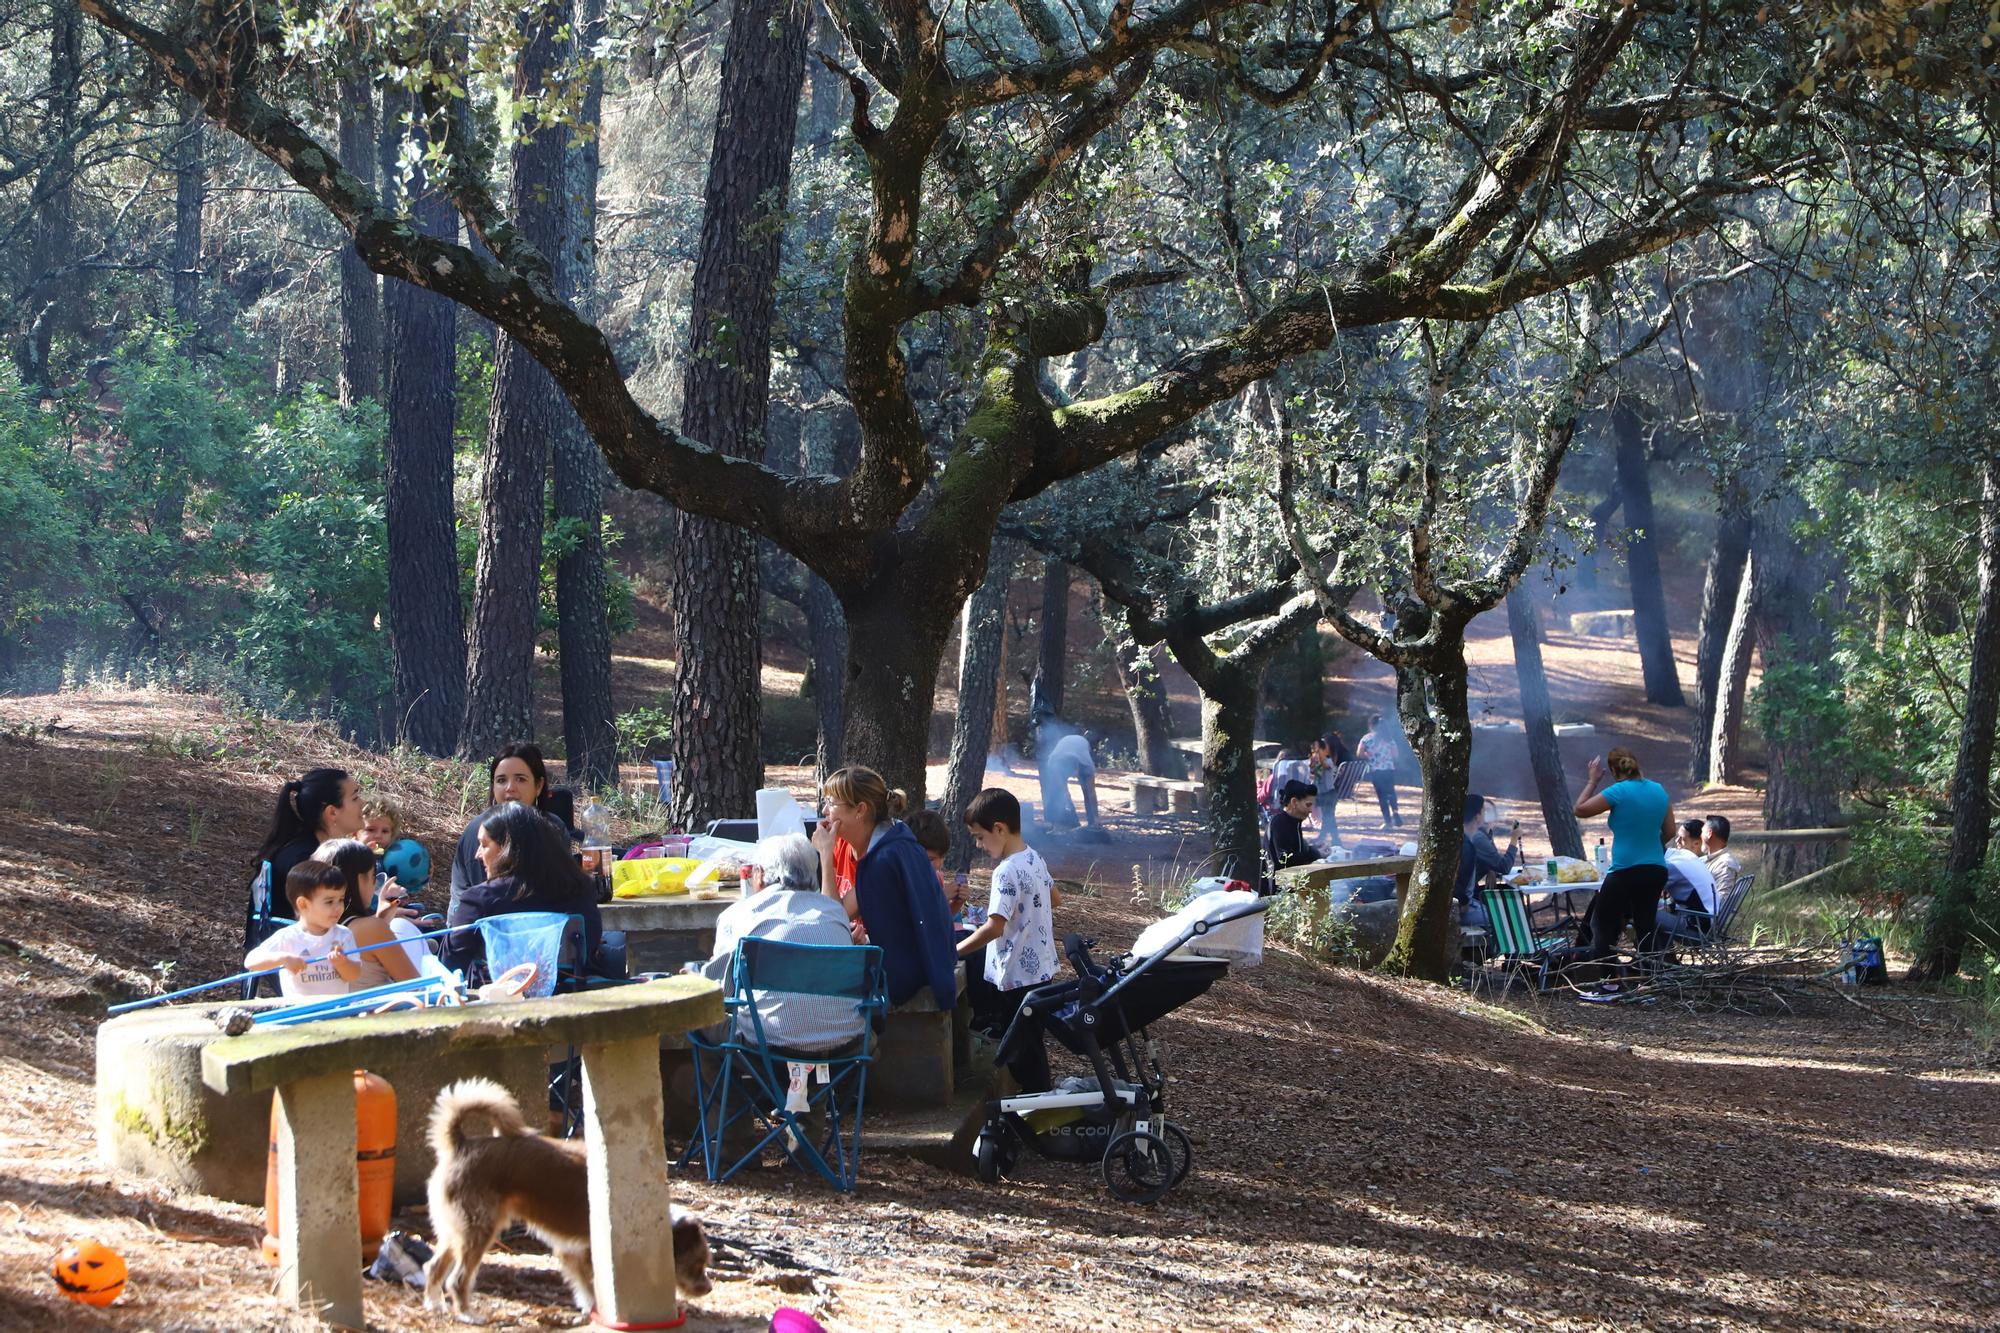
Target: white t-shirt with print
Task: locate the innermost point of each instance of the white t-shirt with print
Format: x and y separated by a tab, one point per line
318	977
1025	953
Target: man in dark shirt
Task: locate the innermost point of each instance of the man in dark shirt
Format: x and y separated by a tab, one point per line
1286	843
1478	859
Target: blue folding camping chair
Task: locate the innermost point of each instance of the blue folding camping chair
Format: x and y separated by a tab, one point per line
747	1078
558	945
261	922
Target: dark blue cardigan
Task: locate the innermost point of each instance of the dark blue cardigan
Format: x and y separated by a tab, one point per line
904	906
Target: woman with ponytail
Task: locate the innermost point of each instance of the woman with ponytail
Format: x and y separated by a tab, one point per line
1642	824
895	889
323	805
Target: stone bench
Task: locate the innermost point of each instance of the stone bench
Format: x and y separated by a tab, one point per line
1375	926
157	1119
1603	624
310	1069
1151	795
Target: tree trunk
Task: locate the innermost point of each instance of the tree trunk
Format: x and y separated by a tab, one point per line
190	198
1229	769
826	624
1052	664
1295	691
190	169
1587	565
826	632
1725	736
1538	718
1791	620
1649	602
426	615
1231	686
905	619
528	410
361	371
999	740
718	699
985	622
1718	602
1951	915
50	301
583	634
1146	695
1432	704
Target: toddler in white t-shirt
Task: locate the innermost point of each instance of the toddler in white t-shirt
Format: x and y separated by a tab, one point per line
313	951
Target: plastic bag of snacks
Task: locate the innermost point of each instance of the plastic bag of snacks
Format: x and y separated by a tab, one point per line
1571	870
652	877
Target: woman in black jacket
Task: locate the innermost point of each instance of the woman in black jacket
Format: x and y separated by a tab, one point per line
528	869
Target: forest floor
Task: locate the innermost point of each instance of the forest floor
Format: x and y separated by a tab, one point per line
1370	1153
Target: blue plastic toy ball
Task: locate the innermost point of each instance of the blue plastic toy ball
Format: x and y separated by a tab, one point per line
408	864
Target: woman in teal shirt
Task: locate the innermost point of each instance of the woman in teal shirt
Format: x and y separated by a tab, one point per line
1642	823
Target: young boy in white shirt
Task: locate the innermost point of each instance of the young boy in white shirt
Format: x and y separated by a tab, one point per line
313	951
1019	928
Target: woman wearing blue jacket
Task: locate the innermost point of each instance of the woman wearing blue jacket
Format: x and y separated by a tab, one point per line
895	889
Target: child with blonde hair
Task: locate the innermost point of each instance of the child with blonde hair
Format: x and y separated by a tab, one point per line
382	823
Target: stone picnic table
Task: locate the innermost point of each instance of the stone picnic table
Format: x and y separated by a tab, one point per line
666	930
1314	881
311	1068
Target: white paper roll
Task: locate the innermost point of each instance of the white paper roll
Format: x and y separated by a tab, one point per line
778	813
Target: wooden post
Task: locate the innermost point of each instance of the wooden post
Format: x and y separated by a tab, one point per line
319	1199
631	1218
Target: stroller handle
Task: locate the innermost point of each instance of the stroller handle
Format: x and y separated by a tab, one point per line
1200	927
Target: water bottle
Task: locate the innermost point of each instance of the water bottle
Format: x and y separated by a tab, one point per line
596	822
1601	856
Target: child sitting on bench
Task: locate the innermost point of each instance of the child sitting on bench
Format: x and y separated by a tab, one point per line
313	950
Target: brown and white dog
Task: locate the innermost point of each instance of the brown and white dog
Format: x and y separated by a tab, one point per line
493	1170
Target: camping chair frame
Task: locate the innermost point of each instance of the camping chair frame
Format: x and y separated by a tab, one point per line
737	1078
1517	948
572	974
260	922
1345	779
1712	946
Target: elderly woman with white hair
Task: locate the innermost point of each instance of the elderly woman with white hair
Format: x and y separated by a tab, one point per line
785	903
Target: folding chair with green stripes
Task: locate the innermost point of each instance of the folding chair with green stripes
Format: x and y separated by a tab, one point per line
1517	946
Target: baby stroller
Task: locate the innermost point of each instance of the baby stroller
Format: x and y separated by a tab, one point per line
1118	1118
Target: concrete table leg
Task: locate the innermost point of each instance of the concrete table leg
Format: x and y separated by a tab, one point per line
319	1199
631	1219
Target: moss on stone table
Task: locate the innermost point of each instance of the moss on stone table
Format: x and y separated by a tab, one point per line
271	1057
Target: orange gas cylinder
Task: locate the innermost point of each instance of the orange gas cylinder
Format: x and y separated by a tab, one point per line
374	1161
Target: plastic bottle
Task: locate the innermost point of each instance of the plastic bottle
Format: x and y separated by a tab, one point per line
596	823
1602	856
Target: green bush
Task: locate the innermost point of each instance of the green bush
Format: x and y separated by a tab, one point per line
648	733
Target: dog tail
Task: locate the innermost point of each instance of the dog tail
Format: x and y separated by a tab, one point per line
473	1108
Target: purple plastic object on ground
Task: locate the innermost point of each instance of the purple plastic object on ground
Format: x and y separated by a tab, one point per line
788	1320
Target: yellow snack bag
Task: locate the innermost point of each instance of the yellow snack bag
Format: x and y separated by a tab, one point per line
651	877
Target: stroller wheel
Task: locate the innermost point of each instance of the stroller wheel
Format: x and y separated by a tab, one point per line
1139	1167
993	1155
